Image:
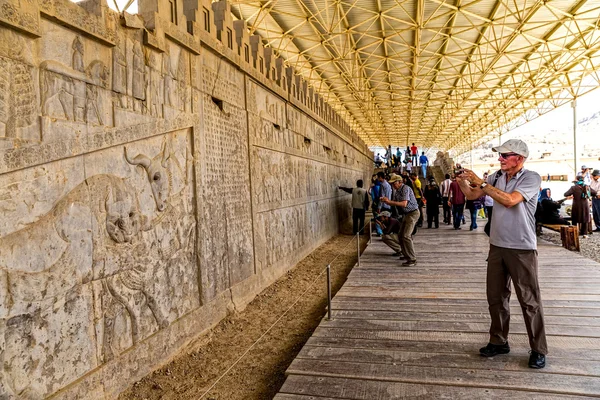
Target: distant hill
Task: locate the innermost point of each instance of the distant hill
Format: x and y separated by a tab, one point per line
548	139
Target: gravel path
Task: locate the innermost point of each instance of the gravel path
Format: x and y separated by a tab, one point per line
590	246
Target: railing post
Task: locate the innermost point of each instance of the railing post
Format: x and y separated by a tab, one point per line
329	292
358	247
370	231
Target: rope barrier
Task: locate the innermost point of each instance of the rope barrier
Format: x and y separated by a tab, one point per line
311	286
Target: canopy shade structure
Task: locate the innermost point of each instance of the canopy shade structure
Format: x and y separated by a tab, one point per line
441	74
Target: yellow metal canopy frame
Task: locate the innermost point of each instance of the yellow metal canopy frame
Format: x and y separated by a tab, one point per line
441	74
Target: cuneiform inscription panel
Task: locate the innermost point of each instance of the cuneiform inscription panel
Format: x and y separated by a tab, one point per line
226	253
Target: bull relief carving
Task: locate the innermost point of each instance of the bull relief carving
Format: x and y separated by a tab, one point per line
137	267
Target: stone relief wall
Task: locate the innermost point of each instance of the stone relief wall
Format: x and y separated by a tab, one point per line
150	179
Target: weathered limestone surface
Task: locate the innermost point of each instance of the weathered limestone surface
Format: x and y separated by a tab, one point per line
151	180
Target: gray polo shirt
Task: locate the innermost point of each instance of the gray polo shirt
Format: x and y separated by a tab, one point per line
514	228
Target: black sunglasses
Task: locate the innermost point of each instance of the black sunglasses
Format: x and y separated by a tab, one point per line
506	155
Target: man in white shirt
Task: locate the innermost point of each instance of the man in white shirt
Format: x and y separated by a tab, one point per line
595	185
445	192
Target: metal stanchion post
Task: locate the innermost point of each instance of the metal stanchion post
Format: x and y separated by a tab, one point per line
358	247
329	292
370	231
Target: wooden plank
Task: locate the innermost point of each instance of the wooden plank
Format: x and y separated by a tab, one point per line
519	346
397	282
391	292
343	388
478	338
458	317
456	288
453	326
458	302
515	361
525	379
342	305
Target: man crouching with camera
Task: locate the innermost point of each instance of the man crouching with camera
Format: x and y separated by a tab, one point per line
513	248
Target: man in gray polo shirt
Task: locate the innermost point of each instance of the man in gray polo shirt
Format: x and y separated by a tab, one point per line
513	248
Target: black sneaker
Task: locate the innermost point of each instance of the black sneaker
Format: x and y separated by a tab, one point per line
492	350
409	263
537	360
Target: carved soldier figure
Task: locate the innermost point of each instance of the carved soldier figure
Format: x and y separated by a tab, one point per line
139	75
77	46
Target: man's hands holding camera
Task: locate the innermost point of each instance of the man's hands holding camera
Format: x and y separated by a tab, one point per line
470	177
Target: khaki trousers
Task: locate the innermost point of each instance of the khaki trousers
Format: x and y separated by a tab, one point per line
406	228
520	266
392	241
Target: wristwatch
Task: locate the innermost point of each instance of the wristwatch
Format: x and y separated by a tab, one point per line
483	185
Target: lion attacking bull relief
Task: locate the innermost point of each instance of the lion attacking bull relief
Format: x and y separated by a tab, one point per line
97	266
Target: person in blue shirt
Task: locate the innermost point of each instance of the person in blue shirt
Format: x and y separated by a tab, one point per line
375	192
424	161
398	157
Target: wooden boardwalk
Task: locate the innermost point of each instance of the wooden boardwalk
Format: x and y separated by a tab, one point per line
415	332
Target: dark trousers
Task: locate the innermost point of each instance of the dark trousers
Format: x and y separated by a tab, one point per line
420	203
433	217
415	158
596	212
488	212
457	214
358	220
520	266
474	218
447	210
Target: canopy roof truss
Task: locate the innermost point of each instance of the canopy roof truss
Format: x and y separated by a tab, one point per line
441	74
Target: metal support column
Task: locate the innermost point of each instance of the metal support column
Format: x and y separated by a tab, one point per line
329	292
574	106
358	248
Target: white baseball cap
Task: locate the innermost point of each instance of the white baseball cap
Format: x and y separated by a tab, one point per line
516	146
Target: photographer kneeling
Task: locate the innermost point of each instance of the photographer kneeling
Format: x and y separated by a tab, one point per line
391	228
404	198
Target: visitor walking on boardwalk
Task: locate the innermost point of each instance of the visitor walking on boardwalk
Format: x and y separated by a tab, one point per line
445	192
409	166
513	249
587	176
414	153
418	191
595	186
424	161
398	157
404	198
433	199
384	191
474	206
360	204
456	200
580	214
391	228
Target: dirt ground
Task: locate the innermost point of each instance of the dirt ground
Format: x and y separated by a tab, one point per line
261	372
